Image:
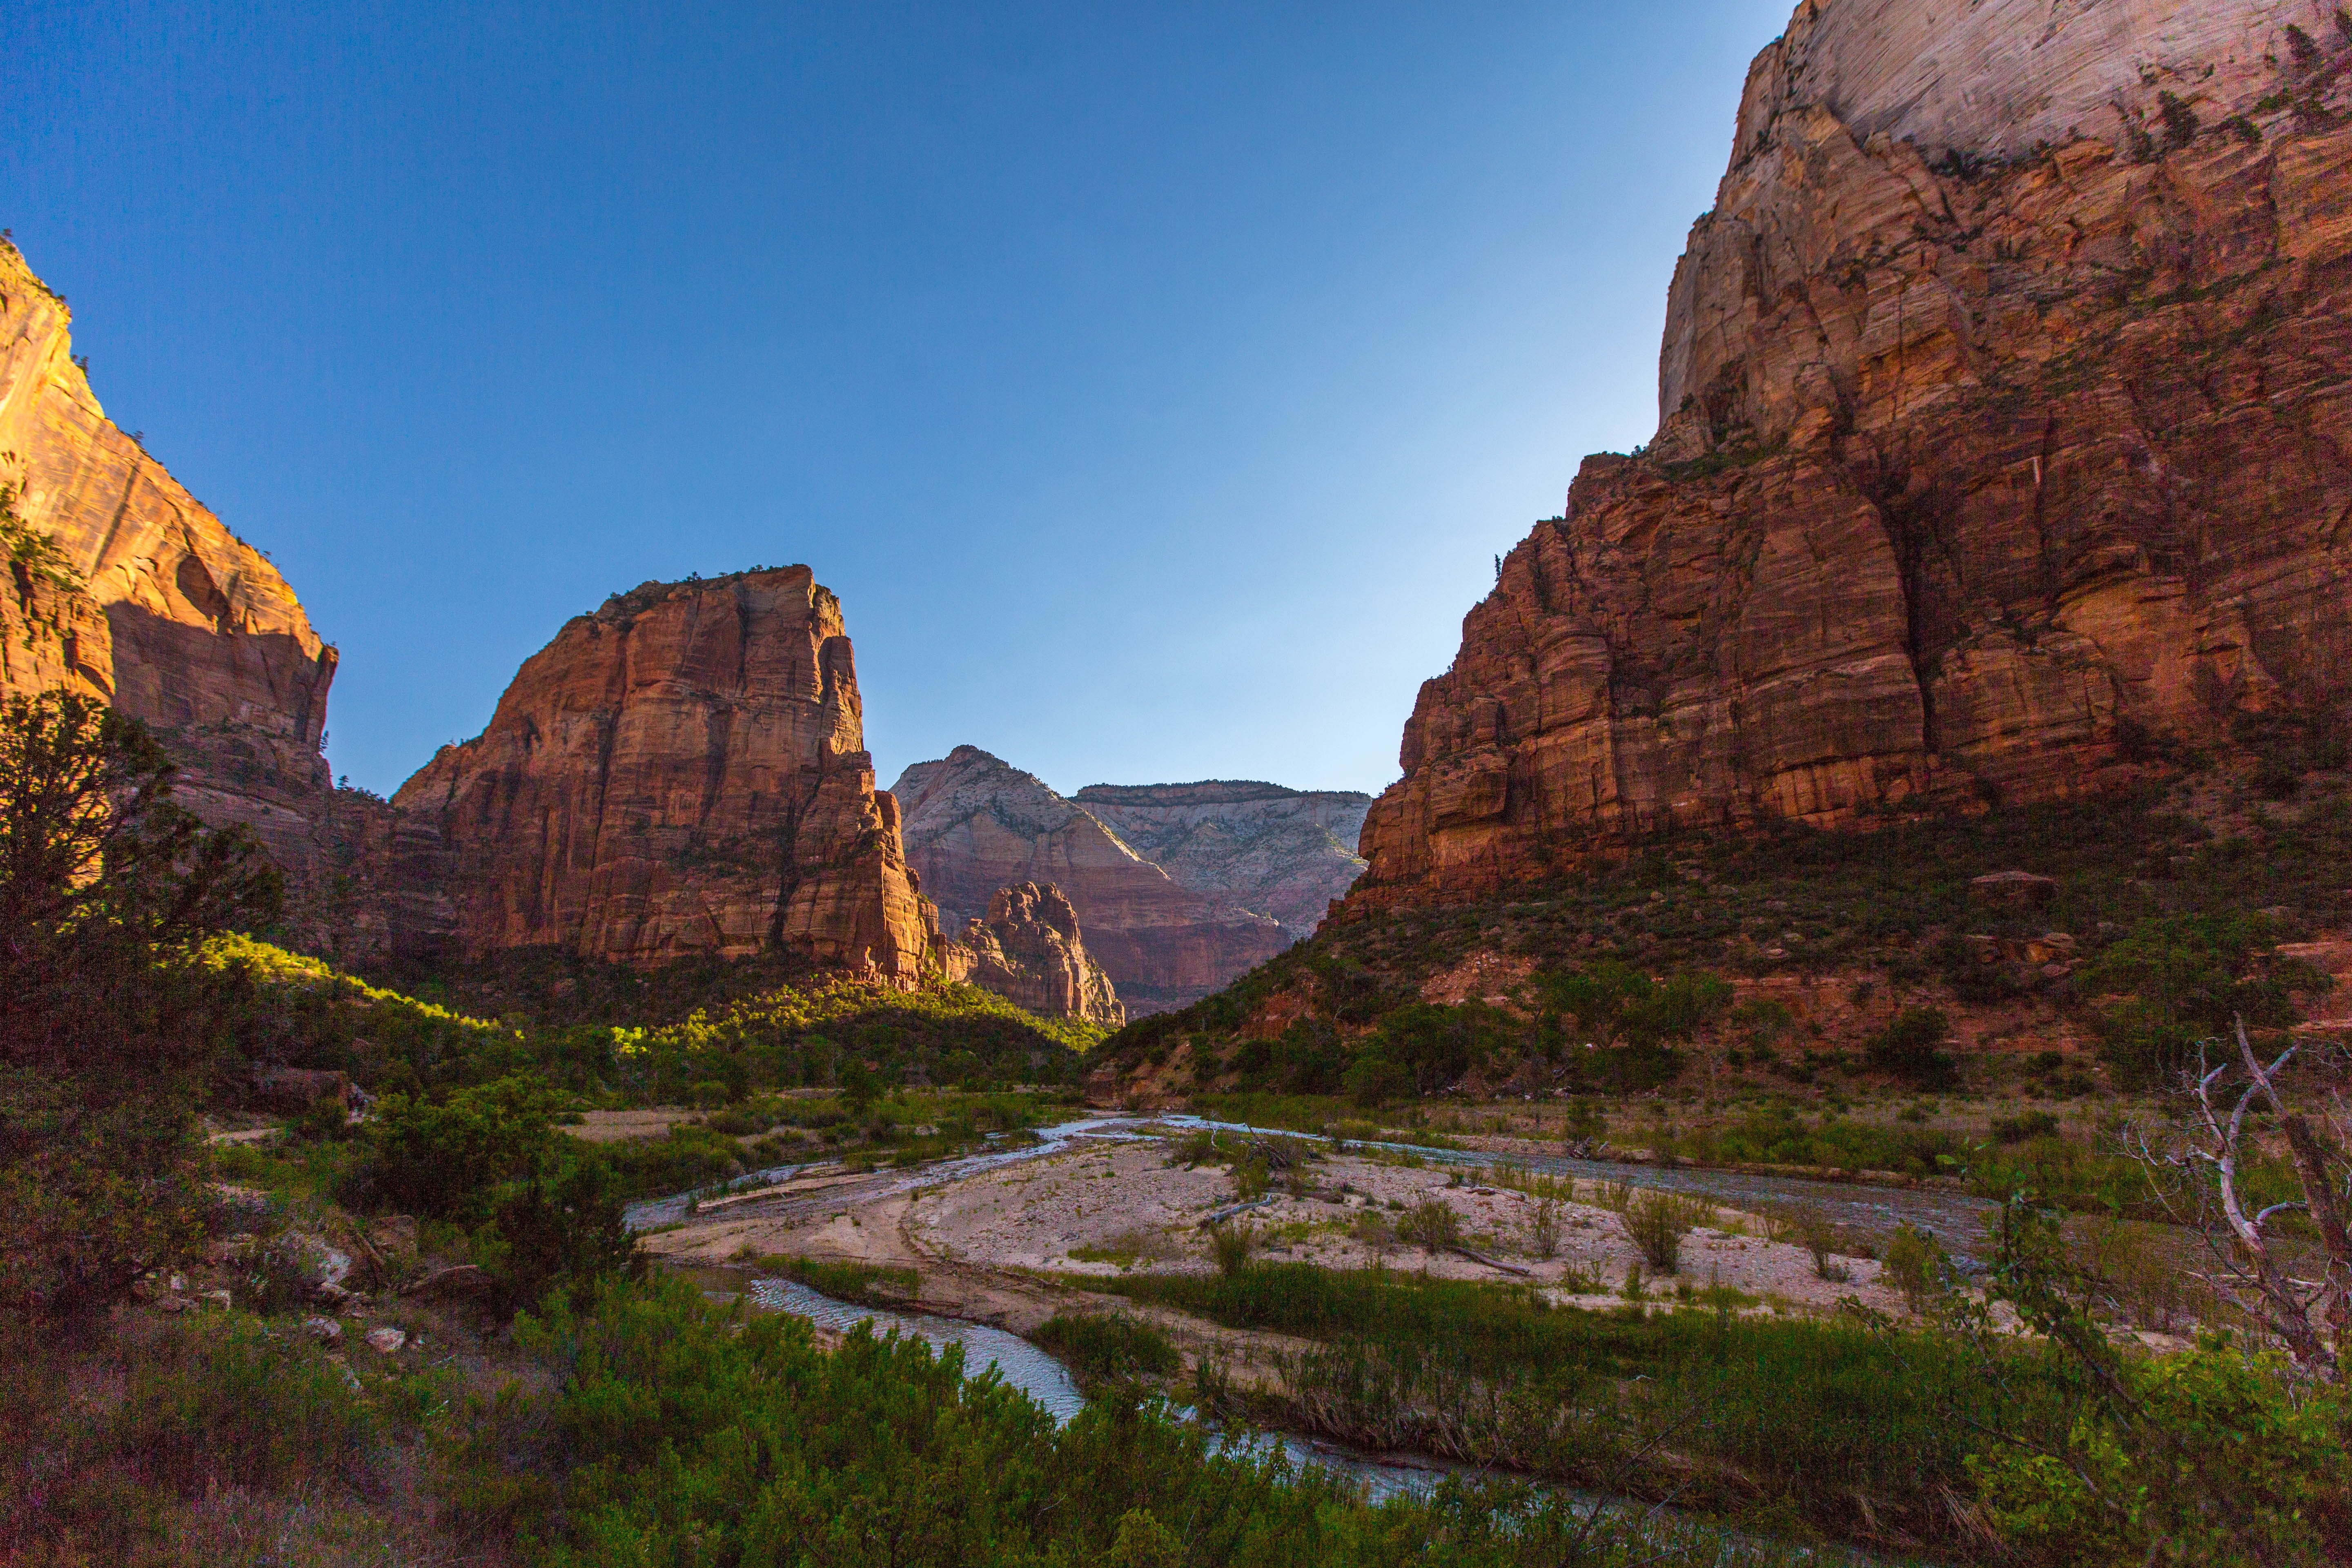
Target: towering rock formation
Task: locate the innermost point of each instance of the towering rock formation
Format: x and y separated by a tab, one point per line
121	585
1027	949
2007	398
1286	852
681	773
974	824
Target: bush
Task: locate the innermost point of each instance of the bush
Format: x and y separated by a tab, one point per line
2219	1420
1432	1224
1232	1245
1657	1222
443	1158
566	1227
1108	1347
2023	1128
218	1401
1915	1265
1375	1081
1910	1048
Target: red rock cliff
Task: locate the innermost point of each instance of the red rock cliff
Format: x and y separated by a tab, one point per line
148	601
682	773
1028	950
975	824
2008	416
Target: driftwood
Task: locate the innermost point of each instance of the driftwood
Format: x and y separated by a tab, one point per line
1492	1262
1217	1217
458	1278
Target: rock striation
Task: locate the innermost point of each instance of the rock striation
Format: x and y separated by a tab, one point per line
1027	949
1286	852
2006	439
682	774
121	585
975	824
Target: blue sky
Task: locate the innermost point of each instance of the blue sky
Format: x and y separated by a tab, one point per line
1155	384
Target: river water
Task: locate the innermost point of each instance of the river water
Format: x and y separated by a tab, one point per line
1958	1220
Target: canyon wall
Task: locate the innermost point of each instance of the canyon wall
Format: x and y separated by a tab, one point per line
1283	852
2007	444
1028	950
123	586
682	773
974	824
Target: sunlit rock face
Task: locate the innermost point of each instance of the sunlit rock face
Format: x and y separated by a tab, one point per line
144	599
2007	398
1029	950
682	774
975	824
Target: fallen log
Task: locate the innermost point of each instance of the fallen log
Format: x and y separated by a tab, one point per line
1217	1217
1492	1262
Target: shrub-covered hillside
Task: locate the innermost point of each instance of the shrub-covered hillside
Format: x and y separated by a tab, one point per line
1793	959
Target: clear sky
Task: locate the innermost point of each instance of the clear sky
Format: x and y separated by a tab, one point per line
1154	383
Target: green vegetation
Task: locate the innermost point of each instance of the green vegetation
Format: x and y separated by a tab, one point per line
1833	1424
308	1014
1108	1348
2171	898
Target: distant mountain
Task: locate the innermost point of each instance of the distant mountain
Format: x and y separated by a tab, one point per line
973	823
1283	852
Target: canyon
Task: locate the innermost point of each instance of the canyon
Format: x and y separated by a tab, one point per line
1288	853
2005	452
124	587
974	823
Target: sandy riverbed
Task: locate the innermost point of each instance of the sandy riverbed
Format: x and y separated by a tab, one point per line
981	1242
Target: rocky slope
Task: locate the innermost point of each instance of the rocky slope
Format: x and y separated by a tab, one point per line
974	824
123	586
1283	852
2007	446
682	773
1028	950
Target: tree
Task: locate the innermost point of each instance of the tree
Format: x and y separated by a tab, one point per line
2206	1171
107	890
2230	1452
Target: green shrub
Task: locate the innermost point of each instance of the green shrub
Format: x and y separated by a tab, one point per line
2024	1127
2207	1425
1432	1224
1910	1047
1106	1347
1915	1265
562	1226
443	1158
1657	1222
217	1400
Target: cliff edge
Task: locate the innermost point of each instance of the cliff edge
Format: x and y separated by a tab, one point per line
2006	448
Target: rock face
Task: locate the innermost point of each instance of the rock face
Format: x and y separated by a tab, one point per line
1284	852
1027	950
123	586
2007	436
682	773
975	824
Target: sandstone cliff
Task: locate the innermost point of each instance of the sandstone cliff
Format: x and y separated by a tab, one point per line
974	824
2007	438
1283	852
123	586
1028	950
681	773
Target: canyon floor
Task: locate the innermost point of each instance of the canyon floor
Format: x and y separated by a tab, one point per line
1015	1245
